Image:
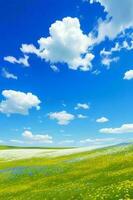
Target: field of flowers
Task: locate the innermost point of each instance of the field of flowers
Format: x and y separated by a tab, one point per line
103	174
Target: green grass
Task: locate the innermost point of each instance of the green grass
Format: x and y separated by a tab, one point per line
104	174
3	147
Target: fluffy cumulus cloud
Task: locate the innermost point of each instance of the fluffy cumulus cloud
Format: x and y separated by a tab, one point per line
66	44
63	117
22	61
82	106
102	120
18	102
28	135
125	128
116	21
128	75
8	75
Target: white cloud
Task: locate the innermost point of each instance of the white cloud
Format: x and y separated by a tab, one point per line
80	116
102	120
96	72
116	21
106	55
128	45
54	68
17	141
98	140
125	128
29	48
13	60
128	75
107	60
64	105
37	138
82	106
1	141
66	44
8	75
27	128
117	47
18	102
63	117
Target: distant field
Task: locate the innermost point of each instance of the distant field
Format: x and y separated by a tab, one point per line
102	174
19	147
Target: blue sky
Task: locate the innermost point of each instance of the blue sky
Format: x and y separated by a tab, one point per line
66	72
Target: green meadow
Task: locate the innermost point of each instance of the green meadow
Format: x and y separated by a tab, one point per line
102	174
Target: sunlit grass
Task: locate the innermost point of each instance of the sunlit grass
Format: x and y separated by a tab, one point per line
95	175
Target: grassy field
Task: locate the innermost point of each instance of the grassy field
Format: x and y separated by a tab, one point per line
19	147
103	174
